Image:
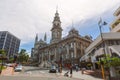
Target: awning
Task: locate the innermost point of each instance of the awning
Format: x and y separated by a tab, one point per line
99	52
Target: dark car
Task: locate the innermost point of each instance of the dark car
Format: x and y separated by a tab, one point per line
52	69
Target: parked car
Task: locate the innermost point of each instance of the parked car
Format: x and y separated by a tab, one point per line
52	69
9	65
18	68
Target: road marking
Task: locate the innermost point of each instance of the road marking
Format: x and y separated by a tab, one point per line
41	72
29	72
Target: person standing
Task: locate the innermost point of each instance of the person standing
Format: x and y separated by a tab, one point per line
76	68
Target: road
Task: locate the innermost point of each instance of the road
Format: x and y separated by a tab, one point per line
35	73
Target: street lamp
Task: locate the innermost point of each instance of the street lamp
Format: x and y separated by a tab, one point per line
100	24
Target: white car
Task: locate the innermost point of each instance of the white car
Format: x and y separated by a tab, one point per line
18	68
52	69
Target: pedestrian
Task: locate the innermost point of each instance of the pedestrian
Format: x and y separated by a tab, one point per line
71	71
66	74
76	68
83	69
59	69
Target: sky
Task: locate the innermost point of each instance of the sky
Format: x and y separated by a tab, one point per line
26	18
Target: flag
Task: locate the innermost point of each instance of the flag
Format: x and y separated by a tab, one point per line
104	23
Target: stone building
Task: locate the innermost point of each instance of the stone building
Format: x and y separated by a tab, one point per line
68	49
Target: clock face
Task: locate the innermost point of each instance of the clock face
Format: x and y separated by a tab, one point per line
56	23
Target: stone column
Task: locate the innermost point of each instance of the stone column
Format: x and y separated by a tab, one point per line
55	55
49	55
81	47
42	57
75	51
39	57
112	71
68	51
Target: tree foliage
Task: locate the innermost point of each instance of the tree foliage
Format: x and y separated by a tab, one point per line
111	61
2	53
23	56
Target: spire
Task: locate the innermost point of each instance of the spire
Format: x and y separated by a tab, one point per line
72	24
72	27
56	18
73	30
36	38
45	37
57	9
56	14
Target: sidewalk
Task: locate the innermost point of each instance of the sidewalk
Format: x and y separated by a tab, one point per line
8	71
81	76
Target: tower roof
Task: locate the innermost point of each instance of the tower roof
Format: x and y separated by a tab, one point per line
36	38
56	22
56	18
73	31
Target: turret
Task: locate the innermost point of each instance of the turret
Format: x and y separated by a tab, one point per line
56	28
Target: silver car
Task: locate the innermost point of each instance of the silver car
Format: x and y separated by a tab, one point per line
18	68
52	69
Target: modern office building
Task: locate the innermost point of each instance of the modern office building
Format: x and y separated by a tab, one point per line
9	43
115	25
68	49
110	43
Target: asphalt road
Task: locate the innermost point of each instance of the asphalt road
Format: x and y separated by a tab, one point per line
35	73
34	78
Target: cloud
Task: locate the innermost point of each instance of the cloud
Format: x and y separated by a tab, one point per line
25	18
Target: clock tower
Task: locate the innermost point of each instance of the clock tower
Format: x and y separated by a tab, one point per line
56	30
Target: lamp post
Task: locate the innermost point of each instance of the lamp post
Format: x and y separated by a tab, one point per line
101	24
60	64
60	60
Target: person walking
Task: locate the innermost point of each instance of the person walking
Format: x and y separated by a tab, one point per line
71	71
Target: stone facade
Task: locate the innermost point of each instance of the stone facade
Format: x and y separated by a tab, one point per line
67	49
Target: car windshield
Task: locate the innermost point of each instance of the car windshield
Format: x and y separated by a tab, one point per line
19	66
53	67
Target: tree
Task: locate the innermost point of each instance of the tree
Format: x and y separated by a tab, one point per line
111	61
2	57
23	56
2	53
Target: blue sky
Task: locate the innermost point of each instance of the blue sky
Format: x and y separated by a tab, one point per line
26	18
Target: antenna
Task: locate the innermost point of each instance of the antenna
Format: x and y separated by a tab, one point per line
72	24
